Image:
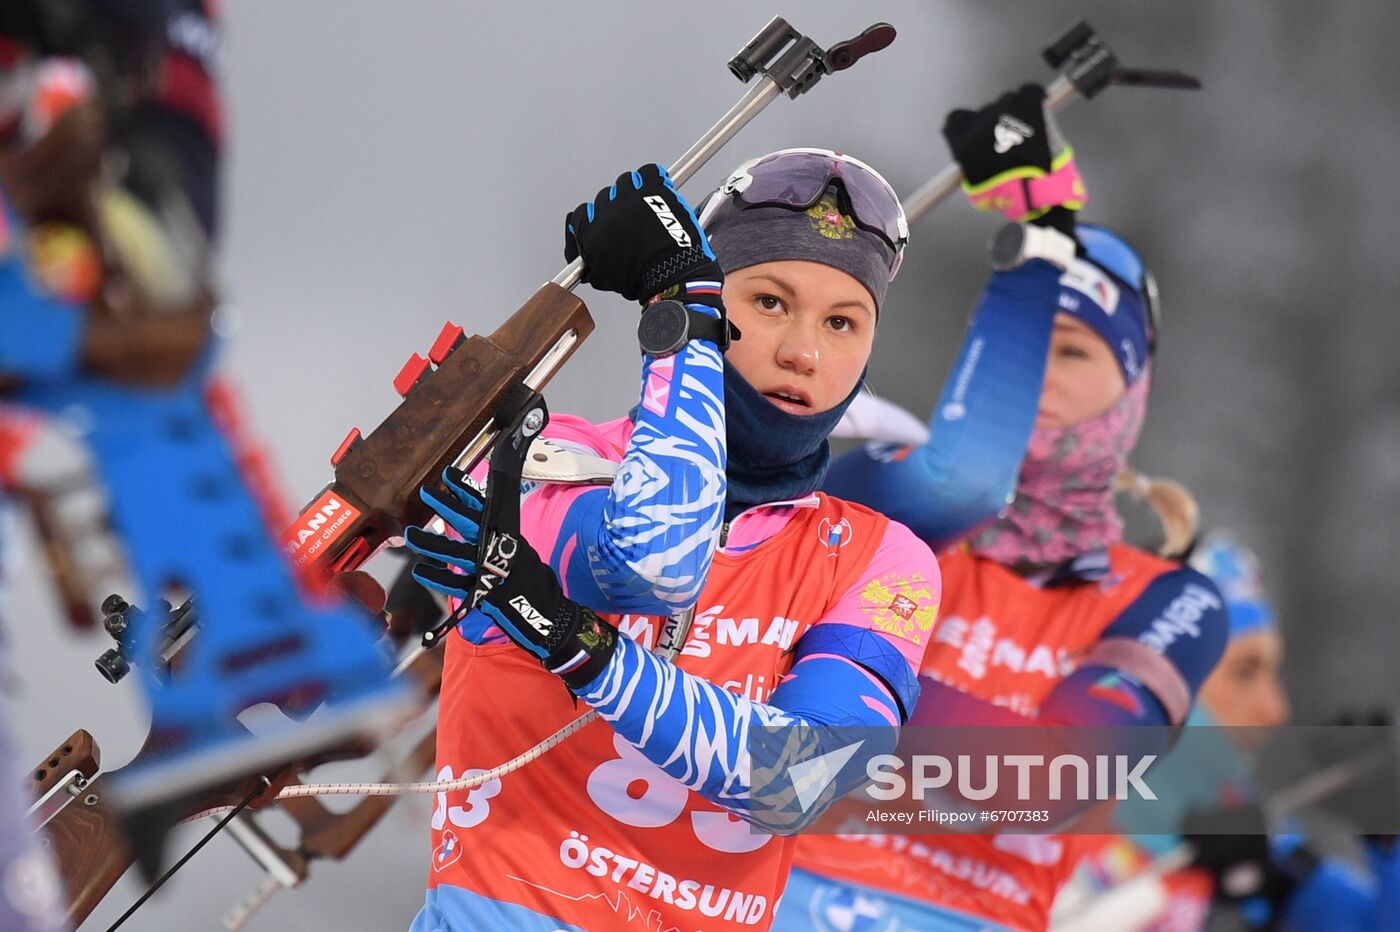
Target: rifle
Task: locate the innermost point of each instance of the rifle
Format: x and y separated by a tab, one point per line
186	516
83	829
449	415
79	828
86	838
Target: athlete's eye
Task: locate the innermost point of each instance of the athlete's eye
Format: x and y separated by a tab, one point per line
769	302
1069	351
841	324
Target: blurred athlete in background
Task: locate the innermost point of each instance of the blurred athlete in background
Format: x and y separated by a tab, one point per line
1048	617
1263	881
57	60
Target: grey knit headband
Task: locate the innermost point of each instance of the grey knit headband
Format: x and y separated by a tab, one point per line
742	237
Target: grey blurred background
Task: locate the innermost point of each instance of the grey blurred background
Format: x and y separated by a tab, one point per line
396	165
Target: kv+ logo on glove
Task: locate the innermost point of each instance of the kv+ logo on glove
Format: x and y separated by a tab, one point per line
639	237
508	582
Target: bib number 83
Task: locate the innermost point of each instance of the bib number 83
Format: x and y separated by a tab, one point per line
636	792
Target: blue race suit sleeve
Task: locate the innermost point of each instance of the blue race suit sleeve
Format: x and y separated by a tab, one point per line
966	472
1181	618
645	543
1181	625
848	682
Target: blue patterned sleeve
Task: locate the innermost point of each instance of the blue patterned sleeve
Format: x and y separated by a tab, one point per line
645	544
966	472
739	753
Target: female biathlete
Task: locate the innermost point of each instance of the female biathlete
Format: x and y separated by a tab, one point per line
1288	883
1047	618
640	820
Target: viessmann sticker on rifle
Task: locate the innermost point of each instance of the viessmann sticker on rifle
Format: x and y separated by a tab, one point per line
326	519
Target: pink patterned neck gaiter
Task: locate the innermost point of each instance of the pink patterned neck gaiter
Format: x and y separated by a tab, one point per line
1064	498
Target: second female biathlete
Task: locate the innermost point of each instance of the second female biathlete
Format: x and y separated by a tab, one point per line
1048	618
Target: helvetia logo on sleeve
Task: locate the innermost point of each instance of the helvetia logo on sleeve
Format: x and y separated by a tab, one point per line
1182	618
668	220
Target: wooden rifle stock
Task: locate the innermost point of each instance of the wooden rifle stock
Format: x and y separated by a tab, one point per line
90	849
84	836
63	775
79	754
375	491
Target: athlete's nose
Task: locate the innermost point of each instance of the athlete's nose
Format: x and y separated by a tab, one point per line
1277	710
798	350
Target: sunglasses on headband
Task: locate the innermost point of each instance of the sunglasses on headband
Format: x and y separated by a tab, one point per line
797	179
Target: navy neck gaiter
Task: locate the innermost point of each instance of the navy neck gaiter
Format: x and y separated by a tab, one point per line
773	455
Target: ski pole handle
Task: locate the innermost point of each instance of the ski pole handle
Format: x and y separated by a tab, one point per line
936	189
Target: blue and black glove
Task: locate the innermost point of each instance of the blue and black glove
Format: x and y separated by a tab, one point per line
506	579
639	238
